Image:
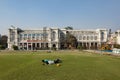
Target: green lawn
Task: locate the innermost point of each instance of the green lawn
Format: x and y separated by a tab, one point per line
23	65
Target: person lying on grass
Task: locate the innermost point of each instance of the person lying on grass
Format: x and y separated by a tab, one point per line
46	61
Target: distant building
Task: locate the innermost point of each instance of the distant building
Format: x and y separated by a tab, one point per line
114	39
118	37
52	37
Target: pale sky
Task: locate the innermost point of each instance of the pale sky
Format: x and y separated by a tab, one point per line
80	14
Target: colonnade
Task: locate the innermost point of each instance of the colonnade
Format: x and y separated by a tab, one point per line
89	45
33	45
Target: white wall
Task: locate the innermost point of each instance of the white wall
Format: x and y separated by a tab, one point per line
118	36
118	40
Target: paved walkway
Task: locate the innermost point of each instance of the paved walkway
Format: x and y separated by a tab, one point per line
102	52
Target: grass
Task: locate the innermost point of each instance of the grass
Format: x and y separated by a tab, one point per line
26	65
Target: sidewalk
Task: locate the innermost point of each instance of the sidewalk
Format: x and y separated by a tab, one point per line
102	52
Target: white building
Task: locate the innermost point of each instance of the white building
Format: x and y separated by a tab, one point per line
52	37
118	36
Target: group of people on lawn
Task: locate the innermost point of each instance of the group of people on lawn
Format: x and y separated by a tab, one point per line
46	61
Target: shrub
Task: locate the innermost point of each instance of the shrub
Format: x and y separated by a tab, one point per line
117	46
2	47
53	48
79	47
15	47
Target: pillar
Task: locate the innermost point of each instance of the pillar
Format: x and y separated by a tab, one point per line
27	45
89	45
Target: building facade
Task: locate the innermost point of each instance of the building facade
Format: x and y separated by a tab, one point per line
118	36
114	38
53	37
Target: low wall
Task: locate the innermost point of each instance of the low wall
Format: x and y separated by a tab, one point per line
117	51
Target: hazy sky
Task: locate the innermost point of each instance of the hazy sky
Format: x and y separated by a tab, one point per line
80	14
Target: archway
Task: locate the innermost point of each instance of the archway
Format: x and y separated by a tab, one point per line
54	45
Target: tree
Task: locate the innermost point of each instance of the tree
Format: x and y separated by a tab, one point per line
1	47
117	46
15	47
71	41
69	28
4	41
79	47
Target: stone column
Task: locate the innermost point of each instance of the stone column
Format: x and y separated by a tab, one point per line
94	45
57	45
35	45
50	45
27	45
82	44
31	46
31	37
89	45
35	37
86	45
39	45
44	44
57	35
9	39
16	37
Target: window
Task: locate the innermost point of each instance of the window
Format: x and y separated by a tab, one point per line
25	36
91	38
41	36
102	35
84	37
37	36
76	36
62	36
80	37
20	37
53	35
45	35
12	36
29	36
87	37
95	37
33	36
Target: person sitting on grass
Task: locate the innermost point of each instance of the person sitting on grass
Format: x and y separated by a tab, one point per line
46	61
